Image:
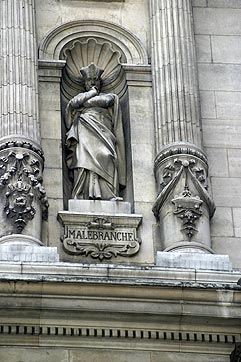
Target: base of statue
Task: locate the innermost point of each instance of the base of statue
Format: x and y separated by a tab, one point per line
198	261
100	230
112	207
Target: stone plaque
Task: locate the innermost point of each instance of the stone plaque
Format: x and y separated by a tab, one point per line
100	236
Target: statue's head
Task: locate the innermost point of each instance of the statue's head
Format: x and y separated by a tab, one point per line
91	76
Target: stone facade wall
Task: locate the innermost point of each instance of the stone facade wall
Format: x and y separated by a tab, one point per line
218	35
218	45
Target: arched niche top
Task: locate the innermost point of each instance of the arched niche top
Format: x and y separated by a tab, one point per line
52	45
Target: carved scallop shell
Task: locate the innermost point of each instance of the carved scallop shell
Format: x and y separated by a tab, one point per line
81	53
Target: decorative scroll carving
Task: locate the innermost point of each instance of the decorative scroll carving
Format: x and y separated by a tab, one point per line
20	173
100	237
187	208
236	354
101	250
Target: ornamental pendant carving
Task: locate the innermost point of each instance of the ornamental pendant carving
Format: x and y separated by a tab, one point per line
18	207
20	178
187	209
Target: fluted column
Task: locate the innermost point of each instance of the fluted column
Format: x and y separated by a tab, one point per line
183	205
174	73
18	76
23	198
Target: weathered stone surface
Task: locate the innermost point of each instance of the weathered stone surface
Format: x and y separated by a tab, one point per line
219	77
216	21
53	153
187	357
199	3
234	162
226	191
208	104
222	222
235	4
27	253
221	133
228	105
101	206
229	246
190	260
216	158
105	355
226	49
203	48
30	354
237	222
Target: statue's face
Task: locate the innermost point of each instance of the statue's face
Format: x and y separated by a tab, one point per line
92	82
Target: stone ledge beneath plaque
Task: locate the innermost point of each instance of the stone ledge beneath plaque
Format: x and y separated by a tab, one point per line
197	261
100	206
100	235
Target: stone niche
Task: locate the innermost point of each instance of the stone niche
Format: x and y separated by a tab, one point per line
101	229
109	57
126	75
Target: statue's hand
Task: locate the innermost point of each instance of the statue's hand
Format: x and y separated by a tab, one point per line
94	88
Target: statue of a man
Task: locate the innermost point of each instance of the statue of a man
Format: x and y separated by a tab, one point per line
95	140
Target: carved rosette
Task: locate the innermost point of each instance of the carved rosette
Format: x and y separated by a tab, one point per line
100	237
183	204
23	195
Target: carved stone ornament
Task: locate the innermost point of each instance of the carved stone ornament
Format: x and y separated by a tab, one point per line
187	209
18	207
236	354
85	51
172	174
100	237
20	178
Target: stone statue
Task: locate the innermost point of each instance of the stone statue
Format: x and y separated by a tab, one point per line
95	140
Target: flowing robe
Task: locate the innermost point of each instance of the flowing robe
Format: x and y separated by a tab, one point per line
95	144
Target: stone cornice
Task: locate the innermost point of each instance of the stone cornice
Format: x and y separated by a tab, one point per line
115	306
